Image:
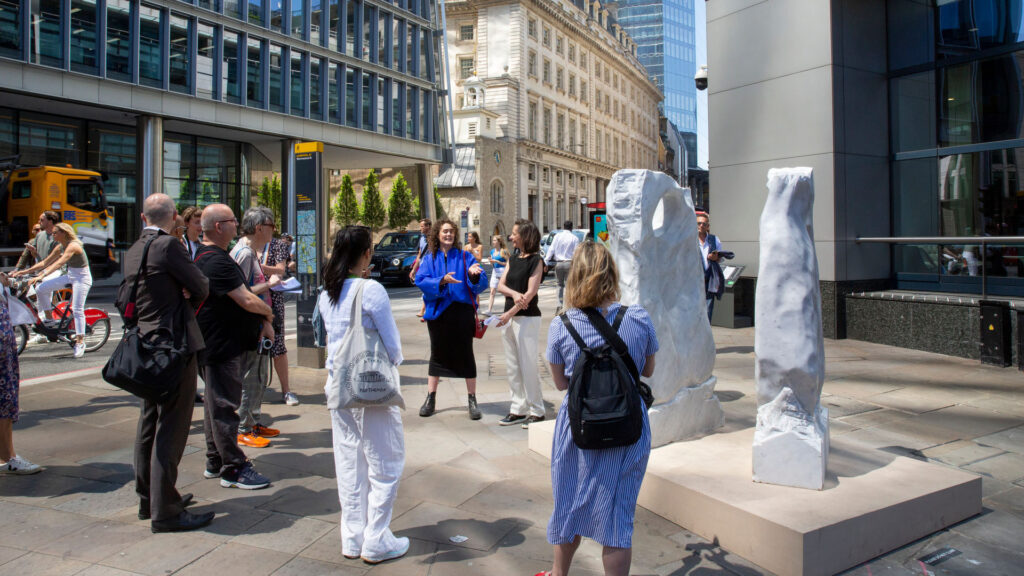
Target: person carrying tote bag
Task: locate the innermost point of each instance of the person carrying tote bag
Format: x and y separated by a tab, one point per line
368	441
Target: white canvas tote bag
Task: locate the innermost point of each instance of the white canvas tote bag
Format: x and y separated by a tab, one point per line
363	373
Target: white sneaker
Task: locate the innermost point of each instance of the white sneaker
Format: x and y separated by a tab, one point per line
38	339
79	349
291	399
19	465
401	548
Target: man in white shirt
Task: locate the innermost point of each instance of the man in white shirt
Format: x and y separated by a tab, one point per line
563	245
709	246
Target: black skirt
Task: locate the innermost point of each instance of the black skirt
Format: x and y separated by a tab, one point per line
451	342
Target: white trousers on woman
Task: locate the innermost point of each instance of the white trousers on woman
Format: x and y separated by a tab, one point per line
80	280
369	455
520	339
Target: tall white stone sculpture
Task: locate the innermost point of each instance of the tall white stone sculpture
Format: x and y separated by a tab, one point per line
791	439
652	233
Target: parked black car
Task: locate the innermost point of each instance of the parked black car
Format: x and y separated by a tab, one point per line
393	257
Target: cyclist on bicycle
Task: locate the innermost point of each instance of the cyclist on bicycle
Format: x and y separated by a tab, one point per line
77	274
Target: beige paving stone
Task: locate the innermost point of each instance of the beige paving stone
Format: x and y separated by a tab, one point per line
511	499
912	399
472	460
463	562
1007	467
50	488
98	570
318	499
101	504
969	422
41	565
327	548
961	453
859	386
284	533
161	554
39	527
438	523
231	519
1011	440
418	561
445	484
96	541
1004	404
300	566
7	554
1010	500
231	558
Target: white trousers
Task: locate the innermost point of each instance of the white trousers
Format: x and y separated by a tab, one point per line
520	339
80	280
369	455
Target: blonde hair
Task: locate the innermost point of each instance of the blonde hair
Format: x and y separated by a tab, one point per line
67	229
593	278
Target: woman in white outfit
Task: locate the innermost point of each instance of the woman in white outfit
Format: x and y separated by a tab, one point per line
369	446
77	274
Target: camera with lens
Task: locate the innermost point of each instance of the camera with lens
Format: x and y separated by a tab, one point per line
264	346
701	78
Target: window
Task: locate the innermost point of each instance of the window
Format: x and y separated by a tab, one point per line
298	19
598	100
531	172
532	121
465	68
546	37
531	63
547	125
178	70
254	73
583	90
606	74
83	34
315	21
583	60
572	180
572	52
560	130
558	45
333	94
545	174
531	28
546	78
11	37
298	86
497	197
558	177
231	68
466	32
597	69
85	194
256	11
276	102
597	143
205	54
572	138
615	81
150	62
119	42
352	92
572	85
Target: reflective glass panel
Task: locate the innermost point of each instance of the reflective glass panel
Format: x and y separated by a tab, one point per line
8	140
397	41
47	47
351	15
315	89
213	5
10	28
254	73
382	95
410	112
119	45
233	8
911	31
179	164
231	68
351	93
276	102
83	36
982	101
150	63
298	18
179	77
205	59
382	43
425	128
424	51
256	12
367	102
49	139
315	21
277	15
967	26
216	169
333	16
333	94
397	110
913	111
298	96
369	21
410	50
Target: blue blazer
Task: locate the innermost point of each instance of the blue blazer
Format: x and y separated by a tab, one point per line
433	267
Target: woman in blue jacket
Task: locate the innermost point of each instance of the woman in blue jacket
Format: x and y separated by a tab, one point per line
450	280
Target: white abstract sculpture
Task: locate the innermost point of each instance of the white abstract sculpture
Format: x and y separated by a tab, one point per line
791	439
652	233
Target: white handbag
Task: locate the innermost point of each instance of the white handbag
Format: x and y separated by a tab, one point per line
363	374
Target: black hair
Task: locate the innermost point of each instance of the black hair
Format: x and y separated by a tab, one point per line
529	237
567	225
350	243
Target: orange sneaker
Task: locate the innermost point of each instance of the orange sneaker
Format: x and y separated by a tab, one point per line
261	430
253	441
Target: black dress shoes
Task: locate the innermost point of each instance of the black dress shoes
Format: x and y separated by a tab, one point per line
144	514
184	521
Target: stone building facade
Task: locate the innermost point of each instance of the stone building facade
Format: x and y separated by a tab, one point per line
553	99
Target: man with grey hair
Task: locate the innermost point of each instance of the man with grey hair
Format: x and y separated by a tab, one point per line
257	229
233	319
170	290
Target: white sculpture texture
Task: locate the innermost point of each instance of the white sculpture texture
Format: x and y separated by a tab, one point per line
791	440
652	233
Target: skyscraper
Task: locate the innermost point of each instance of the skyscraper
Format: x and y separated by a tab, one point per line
665	33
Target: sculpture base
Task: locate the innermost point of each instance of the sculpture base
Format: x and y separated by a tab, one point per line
873	502
691	413
789	450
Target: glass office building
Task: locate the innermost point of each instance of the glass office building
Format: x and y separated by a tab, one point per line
76	76
665	33
957	134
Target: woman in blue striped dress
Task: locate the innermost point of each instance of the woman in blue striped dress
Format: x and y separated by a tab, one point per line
595	491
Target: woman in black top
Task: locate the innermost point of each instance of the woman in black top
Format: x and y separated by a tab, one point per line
521	322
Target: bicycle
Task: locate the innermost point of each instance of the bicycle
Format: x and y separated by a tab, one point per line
60	327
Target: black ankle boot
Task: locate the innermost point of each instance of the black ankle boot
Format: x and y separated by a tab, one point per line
428	405
474	412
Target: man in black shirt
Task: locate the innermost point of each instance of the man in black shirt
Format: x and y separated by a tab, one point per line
232	320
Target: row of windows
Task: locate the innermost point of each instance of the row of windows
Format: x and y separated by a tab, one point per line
573	181
190	56
564	137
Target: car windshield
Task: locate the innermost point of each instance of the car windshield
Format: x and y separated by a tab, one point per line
399	242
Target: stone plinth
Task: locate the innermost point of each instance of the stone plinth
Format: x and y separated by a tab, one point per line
872	502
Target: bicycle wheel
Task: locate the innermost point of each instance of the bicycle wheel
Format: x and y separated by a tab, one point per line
97	334
21	337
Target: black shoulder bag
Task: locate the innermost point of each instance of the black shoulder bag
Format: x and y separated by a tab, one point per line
611	336
148	366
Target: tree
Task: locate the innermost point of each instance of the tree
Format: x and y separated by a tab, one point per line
373	212
438	209
270	196
400	205
345	211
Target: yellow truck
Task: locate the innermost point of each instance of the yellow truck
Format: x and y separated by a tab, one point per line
76	195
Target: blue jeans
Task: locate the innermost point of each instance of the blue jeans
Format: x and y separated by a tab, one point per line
711	307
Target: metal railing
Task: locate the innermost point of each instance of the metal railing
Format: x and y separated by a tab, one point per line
948	240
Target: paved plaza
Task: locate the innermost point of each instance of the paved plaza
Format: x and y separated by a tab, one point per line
479	480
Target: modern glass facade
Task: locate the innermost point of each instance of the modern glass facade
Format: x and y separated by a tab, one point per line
665	33
956	88
276	55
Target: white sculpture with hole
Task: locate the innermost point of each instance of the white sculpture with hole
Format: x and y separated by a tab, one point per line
791	440
652	234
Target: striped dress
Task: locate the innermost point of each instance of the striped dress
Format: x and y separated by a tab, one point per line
595	491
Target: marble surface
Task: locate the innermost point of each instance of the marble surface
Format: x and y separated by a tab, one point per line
791	439
651	221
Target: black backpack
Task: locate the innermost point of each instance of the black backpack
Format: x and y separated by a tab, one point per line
605	408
